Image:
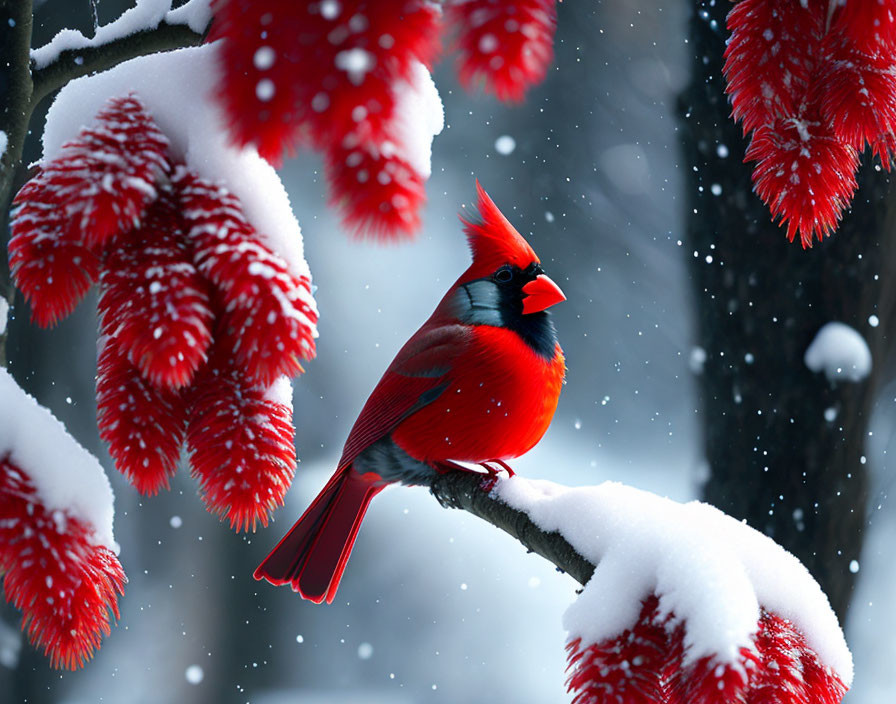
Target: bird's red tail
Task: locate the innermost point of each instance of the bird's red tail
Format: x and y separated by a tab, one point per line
312	556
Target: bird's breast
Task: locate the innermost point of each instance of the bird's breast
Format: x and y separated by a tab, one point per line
500	399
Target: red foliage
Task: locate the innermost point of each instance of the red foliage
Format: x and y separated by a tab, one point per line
805	174
143	425
267	320
858	95
241	446
189	267
331	73
51	269
813	89
391	194
356	57
791	672
104	179
646	665
65	585
884	147
506	45
770	57
99	185
709	682
871	24
631	668
294	67
153	300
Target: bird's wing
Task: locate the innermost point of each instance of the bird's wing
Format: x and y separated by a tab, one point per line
417	376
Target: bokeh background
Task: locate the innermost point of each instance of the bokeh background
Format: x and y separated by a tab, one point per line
435	605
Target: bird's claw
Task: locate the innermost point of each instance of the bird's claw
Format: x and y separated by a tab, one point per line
487	465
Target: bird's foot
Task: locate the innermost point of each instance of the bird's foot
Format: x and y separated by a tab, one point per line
494	472
489	470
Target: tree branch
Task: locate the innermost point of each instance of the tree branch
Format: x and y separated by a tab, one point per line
472	492
15	84
74	63
15	114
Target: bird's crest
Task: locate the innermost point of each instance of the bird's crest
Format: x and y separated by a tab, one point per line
493	240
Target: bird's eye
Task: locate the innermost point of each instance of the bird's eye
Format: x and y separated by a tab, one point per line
504	274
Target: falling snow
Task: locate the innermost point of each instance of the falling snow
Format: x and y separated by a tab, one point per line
697	359
194	674
505	144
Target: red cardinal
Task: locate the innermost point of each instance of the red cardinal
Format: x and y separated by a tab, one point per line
479	382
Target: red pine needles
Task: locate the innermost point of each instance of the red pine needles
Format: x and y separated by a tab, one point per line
814	82
241	443
65	585
190	296
645	665
99	185
506	46
153	301
377	193
266	314
330	73
317	69
143	424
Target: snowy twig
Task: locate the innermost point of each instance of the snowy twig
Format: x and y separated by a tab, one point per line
711	579
471	492
74	63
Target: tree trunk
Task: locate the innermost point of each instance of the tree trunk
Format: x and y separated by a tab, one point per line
785	446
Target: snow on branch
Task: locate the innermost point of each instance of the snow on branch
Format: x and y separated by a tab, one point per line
678	598
146	15
150	26
57	551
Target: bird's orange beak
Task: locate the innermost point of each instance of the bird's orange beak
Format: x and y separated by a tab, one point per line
541	294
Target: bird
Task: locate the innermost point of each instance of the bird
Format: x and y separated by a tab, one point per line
479	383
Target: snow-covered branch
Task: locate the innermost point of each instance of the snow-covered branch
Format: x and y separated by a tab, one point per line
472	492
678	599
145	29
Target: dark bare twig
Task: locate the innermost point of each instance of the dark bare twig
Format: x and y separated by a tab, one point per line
470	492
15	114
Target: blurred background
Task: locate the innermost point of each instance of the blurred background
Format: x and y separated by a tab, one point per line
436	606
